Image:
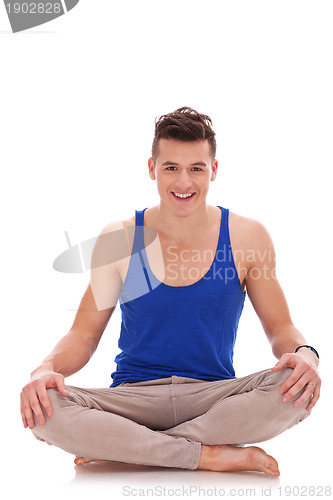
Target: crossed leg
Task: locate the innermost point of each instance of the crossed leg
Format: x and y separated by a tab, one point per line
250	411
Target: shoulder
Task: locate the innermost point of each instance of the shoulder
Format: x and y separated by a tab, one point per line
248	232
117	225
114	242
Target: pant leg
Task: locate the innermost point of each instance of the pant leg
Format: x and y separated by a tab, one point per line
239	411
111	424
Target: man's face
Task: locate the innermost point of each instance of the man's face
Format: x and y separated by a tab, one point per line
183	171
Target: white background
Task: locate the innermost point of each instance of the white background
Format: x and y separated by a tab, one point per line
79	96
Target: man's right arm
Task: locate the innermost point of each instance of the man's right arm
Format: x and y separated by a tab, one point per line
75	349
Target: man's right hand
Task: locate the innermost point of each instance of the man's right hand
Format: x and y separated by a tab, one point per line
34	395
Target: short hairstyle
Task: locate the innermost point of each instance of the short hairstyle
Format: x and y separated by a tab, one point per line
184	124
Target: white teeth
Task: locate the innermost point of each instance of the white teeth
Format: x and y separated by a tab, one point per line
180	195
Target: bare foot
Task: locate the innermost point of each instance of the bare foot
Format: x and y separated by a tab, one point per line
83	460
231	458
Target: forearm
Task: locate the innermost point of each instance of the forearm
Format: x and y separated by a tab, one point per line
286	339
69	355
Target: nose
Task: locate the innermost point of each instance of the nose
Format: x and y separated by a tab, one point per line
183	180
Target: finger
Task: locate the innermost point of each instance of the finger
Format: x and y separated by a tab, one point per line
314	399
294	389
281	363
291	380
45	401
24	419
26	410
305	396
34	403
61	385
28	415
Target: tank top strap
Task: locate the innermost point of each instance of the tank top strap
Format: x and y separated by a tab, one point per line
138	243
139	214
224	230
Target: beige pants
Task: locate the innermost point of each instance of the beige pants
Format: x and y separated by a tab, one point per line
163	422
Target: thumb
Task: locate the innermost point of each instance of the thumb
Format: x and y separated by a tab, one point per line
61	385
279	365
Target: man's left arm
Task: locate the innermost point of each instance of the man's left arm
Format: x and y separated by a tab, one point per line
272	309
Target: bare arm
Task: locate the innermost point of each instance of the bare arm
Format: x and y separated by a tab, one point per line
272	309
75	349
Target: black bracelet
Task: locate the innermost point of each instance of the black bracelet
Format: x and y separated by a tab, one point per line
309	347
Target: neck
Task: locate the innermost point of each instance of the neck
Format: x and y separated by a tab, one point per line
182	227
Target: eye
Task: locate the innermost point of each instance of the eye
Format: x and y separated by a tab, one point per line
197	169
169	168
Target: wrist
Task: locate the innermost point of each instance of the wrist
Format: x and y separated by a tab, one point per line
309	355
41	369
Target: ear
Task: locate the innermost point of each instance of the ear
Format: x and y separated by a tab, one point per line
214	170
151	169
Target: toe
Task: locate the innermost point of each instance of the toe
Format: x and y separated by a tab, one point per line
270	472
272	466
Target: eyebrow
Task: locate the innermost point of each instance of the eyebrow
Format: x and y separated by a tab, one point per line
197	163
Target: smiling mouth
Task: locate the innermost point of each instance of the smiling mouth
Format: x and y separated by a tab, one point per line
182	196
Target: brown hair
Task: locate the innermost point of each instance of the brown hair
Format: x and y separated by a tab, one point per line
185	124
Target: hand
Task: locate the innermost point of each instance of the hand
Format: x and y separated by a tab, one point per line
34	395
304	374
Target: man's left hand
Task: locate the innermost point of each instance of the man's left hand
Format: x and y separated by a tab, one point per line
304	374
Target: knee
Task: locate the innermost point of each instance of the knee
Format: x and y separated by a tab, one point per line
42	431
278	378
285	413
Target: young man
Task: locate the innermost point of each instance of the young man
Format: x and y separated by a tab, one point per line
175	401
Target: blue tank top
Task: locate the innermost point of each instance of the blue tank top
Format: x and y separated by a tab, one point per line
189	331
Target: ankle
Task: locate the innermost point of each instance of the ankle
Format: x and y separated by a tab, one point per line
205	457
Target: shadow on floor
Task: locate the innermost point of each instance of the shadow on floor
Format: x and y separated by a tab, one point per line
131	476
